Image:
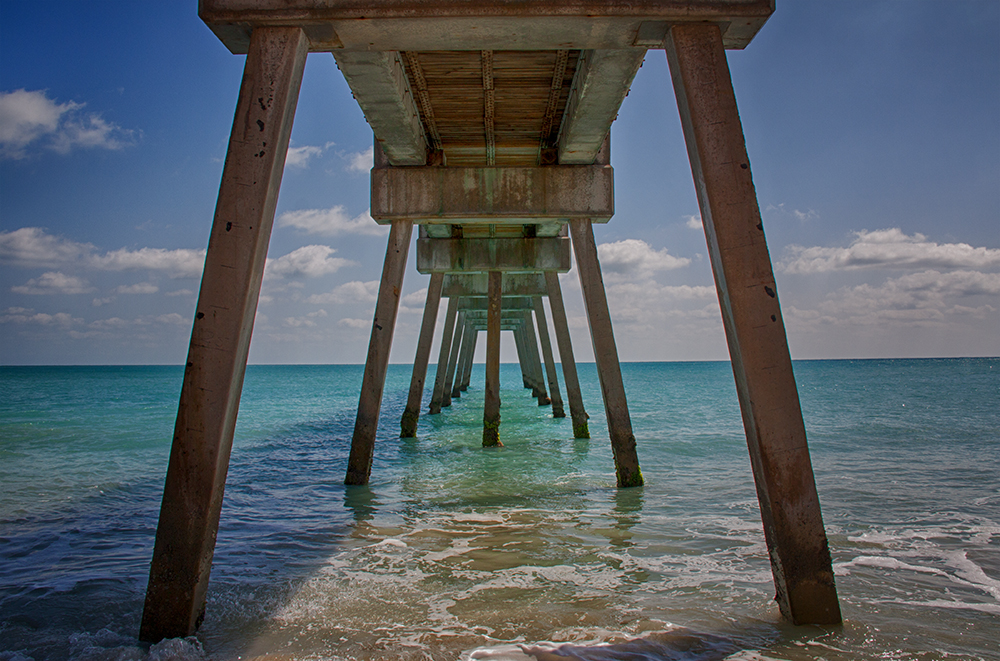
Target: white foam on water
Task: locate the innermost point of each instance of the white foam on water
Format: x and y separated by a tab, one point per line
944	603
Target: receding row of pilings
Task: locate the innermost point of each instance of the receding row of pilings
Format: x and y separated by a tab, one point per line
478	301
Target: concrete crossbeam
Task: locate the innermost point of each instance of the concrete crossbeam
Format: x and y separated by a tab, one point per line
474	285
476	255
220	337
381	88
473	304
755	332
602	80
503	195
380	25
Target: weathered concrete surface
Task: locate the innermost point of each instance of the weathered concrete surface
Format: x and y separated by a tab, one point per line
772	418
411	414
359	463
464	357
514	195
576	410
467	372
535	360
491	405
456	346
476	305
437	395
386	100
527	254
606	355
550	363
602	81
384	25
220	337
475	285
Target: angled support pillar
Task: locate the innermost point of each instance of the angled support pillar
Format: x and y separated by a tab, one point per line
758	347
456	346
359	463
220	337
491	405
467	374
576	411
536	361
411	414
609	370
521	352
463	358
442	369
550	363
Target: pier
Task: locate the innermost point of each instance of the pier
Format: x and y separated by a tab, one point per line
491	126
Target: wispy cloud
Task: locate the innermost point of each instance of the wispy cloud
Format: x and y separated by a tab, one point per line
54	282
349	292
928	296
636	259
309	261
33	247
331	222
138	288
299	157
29	317
694	222
29	119
889	249
361	161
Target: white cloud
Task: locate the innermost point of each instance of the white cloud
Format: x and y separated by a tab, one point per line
331	222
889	248
28	118
355	323
634	258
928	296
355	291
178	263
694	222
34	248
54	282
361	161
29	316
298	157
180	292
138	288
309	261
801	216
173	319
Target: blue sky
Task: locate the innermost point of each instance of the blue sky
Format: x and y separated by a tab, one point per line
873	130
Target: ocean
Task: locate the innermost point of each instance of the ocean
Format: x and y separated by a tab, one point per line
528	552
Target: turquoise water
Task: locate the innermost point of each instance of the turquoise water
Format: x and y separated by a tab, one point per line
529	552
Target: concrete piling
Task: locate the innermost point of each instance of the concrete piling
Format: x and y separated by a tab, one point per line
606	355
758	348
442	368
456	346
550	364
577	412
491	406
359	464
411	414
220	337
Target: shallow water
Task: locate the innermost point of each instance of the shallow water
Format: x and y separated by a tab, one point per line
524	552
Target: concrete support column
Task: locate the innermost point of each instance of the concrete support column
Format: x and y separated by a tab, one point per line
521	352
359	464
550	363
606	354
467	374
456	345
220	337
576	410
463	358
491	406
442	369
411	414
535	359
758	348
